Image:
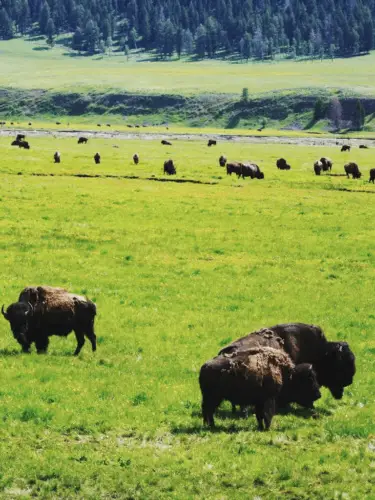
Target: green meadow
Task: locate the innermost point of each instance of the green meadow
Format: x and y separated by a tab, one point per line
178	270
29	64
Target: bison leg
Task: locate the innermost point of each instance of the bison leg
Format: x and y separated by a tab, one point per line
259	413
208	410
80	341
90	334
41	344
269	412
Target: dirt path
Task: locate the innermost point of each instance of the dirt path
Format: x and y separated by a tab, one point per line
298	141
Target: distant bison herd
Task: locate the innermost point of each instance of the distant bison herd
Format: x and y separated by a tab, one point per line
241	169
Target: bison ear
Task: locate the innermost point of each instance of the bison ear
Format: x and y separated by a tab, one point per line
4	313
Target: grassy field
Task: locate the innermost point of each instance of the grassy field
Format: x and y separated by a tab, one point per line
31	65
177	271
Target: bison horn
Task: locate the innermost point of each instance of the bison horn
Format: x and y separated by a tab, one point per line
4	313
31	310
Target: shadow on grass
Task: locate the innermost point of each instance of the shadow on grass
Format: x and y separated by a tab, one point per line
41	49
10	352
35	38
202	429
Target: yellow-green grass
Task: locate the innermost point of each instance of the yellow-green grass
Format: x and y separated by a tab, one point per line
26	64
177	271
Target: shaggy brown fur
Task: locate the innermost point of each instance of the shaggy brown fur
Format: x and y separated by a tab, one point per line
50	298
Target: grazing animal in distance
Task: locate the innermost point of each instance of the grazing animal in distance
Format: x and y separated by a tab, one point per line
169	167
326	163
44	311
58	123
97	158
251	170
318	167
82	140
98	125
334	362
256	376
136	159
30	123
20	137
363	146
234	167
222	161
282	164
57	157
166	143
108	124
211	142
372	175
352	168
345	148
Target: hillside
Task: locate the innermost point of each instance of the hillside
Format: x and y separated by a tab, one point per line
201	28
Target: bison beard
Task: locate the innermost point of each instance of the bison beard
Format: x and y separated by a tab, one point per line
44	311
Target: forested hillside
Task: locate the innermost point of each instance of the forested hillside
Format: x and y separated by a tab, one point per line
247	29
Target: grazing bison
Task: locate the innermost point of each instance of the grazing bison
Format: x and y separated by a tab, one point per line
222	161
97	158
136	159
82	140
345	148
44	311
326	163
211	142
169	167
57	157
234	167
318	167
257	376
333	362
251	170
166	143
98	125
363	146
352	168
20	137
372	175
108	124
30	123
58	123
282	164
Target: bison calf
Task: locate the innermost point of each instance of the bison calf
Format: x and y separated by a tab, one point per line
222	161
257	376
136	159
282	164
97	158
169	167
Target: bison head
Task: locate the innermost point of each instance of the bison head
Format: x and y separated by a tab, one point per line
337	368
18	315
303	387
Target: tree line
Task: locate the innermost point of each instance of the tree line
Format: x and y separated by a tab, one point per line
248	29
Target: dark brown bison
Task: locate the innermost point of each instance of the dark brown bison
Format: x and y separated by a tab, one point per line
282	164
318	167
222	161
20	137
30	123
345	148
251	170
82	140
58	123
234	167
97	158
136	159
211	142
169	167
372	175
44	311
166	143
256	376
352	168
326	163
363	146
57	157
98	125
333	362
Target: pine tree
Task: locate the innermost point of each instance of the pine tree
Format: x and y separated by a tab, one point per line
77	40
50	32
91	36
201	41
44	16
359	116
6	28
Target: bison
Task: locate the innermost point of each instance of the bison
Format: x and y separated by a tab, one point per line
58	123
282	164
318	167
222	161
20	137
44	311
136	159
211	142
82	140
326	163
352	168
372	175
97	158
234	167
333	362
57	157
345	148
363	146
169	167
166	143
251	170
257	376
